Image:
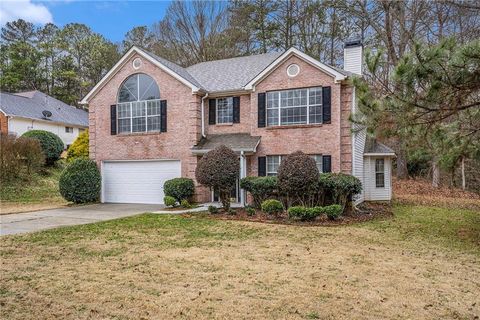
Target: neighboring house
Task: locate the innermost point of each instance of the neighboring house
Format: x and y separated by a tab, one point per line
152	120
34	110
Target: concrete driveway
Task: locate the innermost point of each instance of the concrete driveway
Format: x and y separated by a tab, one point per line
46	219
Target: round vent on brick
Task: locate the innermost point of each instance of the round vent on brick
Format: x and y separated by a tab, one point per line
293	70
137	63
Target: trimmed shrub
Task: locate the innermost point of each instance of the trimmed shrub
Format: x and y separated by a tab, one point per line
169	201
80	181
179	188
261	188
212	209
298	178
52	145
185	204
333	211
79	147
218	169
272	206
338	187
19	157
250	211
304	214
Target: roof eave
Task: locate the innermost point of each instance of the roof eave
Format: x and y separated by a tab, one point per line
294	51
122	61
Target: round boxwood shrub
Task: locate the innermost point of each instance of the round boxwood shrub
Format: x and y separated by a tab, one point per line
52	145
339	187
218	169
304	214
179	188
333	211
261	188
79	147
298	178
169	201
272	206
80	181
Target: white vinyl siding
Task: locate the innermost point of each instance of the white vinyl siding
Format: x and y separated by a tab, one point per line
137	181
359	138
372	192
295	106
353	59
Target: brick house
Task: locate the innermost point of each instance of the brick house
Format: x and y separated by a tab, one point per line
151	120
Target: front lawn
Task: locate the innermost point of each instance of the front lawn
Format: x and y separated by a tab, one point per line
422	264
39	192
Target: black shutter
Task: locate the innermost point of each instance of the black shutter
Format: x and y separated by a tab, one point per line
327	163
262	166
327	104
212	112
262	112
163	115
236	109
113	119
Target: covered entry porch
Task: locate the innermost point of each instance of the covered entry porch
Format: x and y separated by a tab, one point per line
243	144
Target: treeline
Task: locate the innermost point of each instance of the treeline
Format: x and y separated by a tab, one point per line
62	62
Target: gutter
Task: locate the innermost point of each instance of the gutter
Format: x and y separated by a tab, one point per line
203	114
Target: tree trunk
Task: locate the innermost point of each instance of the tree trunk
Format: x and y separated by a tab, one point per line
464	185
435	173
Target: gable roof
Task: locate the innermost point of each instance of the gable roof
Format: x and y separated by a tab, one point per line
373	147
30	105
231	74
234	74
171	68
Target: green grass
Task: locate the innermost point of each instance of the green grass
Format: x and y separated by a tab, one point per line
39	188
444	227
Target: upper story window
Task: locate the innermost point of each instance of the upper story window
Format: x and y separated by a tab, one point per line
379	173
225	110
138	108
296	106
68	129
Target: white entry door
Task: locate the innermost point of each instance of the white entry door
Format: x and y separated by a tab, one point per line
137	181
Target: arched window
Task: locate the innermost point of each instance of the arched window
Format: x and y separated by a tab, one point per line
138	108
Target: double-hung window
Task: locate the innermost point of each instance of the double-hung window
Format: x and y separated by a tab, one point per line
273	163
225	110
138	108
68	129
379	173
296	106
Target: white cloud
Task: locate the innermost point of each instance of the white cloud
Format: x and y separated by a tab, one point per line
24	9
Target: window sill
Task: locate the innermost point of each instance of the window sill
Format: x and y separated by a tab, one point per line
295	126
132	134
224	124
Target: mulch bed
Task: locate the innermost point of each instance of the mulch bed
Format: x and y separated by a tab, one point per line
365	212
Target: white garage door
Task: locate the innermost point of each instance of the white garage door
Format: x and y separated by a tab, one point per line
137	181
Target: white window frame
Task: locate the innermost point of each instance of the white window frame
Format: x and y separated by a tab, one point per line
131	117
229	105
314	156
382	172
279	108
68	129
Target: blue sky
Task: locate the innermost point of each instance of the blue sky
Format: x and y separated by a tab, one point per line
110	18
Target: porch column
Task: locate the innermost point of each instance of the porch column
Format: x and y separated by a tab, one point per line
243	174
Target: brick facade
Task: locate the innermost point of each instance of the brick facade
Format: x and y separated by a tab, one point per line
184	122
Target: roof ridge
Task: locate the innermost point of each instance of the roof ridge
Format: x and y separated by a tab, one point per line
238	57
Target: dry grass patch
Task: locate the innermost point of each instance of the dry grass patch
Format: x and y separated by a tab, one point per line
165	266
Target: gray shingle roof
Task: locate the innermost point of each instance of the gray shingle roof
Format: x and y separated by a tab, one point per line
235	141
30	105
231	74
373	146
175	68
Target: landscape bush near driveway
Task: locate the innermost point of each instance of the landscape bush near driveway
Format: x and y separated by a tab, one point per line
52	145
19	158
79	147
179	188
80	181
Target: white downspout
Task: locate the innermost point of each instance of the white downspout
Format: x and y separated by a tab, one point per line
203	114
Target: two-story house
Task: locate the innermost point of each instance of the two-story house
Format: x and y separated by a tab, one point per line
152	120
